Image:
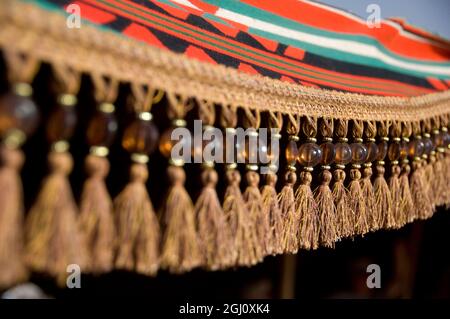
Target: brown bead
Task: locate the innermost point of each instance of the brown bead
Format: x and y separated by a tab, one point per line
166	143
18	112
61	123
328	153
102	129
372	152
394	151
416	148
212	146
438	140
310	154
343	153
141	137
291	153
251	150
403	150
359	153
445	139
382	150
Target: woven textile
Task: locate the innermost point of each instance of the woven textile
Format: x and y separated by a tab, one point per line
301	42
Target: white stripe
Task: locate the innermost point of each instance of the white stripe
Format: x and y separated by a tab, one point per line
336	44
187	3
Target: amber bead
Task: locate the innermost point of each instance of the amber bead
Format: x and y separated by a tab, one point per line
394	151
438	140
18	112
291	153
403	150
382	150
102	129
309	154
166	143
343	153
140	136
61	123
428	145
416	148
328	153
251	150
372	152
359	153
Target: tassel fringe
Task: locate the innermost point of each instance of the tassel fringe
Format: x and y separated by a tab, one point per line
289	213
357	203
327	211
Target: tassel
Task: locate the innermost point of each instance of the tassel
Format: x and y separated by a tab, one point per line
382	197
289	213
394	188
357	203
273	212
181	251
436	176
213	231
369	195
137	227
308	213
344	215
242	228
53	237
407	206
96	218
419	194
327	211
253	200
12	267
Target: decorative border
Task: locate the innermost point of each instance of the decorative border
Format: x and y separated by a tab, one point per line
24	27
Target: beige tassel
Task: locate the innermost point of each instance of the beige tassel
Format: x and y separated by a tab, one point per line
422	203
12	267
407	206
53	237
308	213
253	199
382	197
213	232
369	195
273	212
392	219
436	176
180	250
241	225
357	203
327	211
137	227
344	215
96	218
289	213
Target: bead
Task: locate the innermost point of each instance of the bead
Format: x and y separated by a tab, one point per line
445	139
102	129
343	153
416	148
310	154
251	150
18	112
437	140
291	153
372	152
359	153
61	123
213	144
328	153
382	150
403	150
166	143
140	137
428	145
394	151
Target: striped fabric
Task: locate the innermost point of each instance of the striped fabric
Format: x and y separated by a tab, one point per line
299	41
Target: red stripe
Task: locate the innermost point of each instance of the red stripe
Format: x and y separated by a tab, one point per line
437	84
387	35
408	90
